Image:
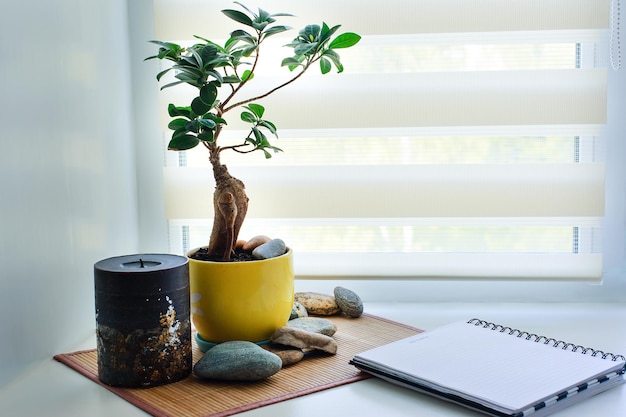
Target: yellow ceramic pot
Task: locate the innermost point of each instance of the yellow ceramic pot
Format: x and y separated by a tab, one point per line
241	300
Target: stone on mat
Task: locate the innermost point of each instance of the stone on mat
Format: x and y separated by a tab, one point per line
237	361
314	325
348	301
297	311
287	354
302	339
316	303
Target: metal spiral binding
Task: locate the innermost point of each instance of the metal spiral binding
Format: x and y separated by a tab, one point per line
545	340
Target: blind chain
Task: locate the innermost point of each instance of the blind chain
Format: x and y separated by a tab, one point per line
615	43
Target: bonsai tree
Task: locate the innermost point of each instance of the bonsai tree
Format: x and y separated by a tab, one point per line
220	75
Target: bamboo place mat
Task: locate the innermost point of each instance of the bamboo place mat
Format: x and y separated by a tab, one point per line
193	397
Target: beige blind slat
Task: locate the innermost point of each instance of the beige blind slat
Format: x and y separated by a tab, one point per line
451	265
401	191
394	16
432	99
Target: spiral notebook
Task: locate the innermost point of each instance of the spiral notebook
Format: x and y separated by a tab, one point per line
495	369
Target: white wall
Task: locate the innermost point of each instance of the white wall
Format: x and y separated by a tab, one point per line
67	182
148	135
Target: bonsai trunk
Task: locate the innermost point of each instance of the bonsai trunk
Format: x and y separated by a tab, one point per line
230	204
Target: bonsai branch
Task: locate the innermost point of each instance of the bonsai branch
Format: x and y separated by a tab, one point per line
243	82
237	148
250	100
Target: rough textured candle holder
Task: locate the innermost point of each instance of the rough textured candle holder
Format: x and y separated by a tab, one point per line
142	320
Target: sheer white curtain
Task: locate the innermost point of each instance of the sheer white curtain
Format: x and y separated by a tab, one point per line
464	140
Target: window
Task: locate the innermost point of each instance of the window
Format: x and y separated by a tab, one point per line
464	140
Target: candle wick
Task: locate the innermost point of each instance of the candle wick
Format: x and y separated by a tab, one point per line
141	262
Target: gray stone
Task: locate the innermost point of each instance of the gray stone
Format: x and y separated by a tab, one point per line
314	325
237	361
348	301
302	339
297	311
316	303
271	249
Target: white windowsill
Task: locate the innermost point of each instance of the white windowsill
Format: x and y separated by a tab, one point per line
50	388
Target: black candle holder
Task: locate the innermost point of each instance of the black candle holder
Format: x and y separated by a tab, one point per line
143	320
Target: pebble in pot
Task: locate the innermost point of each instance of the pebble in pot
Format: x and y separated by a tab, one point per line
270	249
255	242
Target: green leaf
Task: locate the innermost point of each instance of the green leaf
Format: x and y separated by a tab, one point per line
248	50
191	126
241	35
259	25
188	78
167	50
180	132
183	142
162	73
206	136
334	56
310	32
282	15
177	124
274	148
247	75
171	84
168	45
269	126
187	70
217	120
256	109
248	117
218	77
208	54
238	16
231	79
199	106
276	29
264	16
328	32
219	48
208	123
261	139
175	111
208	94
325	65
197	59
290	62
306	48
244	6
345	40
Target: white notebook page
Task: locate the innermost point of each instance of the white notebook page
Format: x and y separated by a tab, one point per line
497	367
